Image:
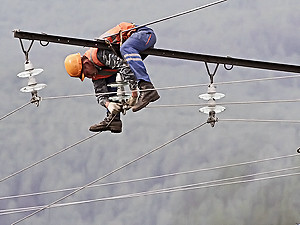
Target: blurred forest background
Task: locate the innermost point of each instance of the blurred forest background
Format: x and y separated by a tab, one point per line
262	30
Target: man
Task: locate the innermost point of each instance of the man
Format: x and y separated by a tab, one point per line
102	66
133	41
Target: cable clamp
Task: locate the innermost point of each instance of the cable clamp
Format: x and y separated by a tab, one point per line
212	119
35	98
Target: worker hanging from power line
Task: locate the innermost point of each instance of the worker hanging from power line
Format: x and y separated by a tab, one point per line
102	67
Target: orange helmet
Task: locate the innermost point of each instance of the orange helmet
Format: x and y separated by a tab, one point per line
73	66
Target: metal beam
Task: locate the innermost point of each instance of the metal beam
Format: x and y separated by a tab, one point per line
161	52
230	61
60	39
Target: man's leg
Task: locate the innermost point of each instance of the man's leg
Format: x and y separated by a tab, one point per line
112	122
130	50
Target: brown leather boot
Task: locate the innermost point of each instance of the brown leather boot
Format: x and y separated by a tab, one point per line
145	97
110	123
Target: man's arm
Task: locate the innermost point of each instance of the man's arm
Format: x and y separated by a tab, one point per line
101	87
111	60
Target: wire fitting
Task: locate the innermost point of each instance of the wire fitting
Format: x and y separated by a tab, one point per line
35	98
212	119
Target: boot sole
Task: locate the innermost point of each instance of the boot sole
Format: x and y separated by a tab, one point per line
145	104
114	128
155	99
115	131
101	130
141	107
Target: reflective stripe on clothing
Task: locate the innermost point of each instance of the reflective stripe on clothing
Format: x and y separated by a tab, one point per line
139	41
148	39
134	57
134	54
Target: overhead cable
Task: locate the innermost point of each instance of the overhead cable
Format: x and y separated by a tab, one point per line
258	79
262	102
259	120
16	110
49	157
188	188
159	176
226	103
231	82
178	87
71	96
177	15
110	173
200	185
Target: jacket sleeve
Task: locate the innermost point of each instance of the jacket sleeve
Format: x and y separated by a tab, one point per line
111	60
101	91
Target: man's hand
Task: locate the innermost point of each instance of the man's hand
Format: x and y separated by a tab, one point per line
114	108
133	99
